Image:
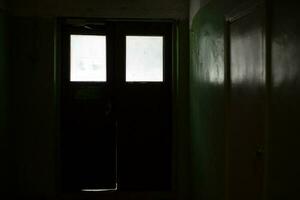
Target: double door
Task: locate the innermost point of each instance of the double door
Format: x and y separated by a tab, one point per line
116	105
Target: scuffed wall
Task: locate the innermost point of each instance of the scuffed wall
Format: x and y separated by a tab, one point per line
207	102
283	169
282	172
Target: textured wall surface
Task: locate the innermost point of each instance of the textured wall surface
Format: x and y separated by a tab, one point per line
283	162
207	102
282	149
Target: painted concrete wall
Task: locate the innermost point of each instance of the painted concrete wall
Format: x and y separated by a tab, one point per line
283	162
206	100
207	96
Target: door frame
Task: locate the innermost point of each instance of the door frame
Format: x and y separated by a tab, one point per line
58	81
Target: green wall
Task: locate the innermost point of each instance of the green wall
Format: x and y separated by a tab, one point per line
282	169
207	102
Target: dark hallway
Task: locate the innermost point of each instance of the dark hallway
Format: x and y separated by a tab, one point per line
149	100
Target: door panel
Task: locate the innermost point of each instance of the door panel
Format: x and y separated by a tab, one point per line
88	142
144	139
144	117
246	107
88	132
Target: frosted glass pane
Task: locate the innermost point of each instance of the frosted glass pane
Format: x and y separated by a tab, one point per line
88	58
144	58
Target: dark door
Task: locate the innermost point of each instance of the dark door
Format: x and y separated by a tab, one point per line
144	107
116	106
247	103
88	145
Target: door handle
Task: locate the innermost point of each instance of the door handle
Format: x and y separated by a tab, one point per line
108	109
260	150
